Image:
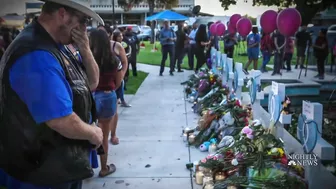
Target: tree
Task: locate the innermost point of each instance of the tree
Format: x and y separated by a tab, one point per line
152	4
253	19
307	8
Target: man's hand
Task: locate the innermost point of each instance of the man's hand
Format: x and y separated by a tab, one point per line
97	136
81	39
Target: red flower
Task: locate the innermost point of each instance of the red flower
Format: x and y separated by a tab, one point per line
284	160
237	103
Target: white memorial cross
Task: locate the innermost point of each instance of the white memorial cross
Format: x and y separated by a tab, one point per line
256	74
225	79
231	74
240	82
314	111
276	96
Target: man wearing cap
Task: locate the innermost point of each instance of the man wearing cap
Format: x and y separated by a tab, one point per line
47	112
167	39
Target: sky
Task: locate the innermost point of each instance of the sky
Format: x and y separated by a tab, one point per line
208	6
214	7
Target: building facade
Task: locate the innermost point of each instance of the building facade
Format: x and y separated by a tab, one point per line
137	13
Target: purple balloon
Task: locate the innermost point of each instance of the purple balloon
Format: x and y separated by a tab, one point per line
244	26
213	28
203	84
289	21
220	29
268	21
232	29
234	19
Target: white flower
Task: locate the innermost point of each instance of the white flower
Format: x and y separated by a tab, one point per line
256	122
274	150
234	162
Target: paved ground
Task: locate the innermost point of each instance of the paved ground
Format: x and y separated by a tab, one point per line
151	153
150	135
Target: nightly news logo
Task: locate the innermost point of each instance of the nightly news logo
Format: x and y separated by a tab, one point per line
303	159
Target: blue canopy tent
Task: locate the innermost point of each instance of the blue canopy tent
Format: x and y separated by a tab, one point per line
167	15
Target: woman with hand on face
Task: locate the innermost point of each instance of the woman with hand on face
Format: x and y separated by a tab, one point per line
202	43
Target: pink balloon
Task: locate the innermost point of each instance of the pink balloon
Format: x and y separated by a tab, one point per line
218	22
213	29
289	21
244	26
234	19
232	29
220	29
268	21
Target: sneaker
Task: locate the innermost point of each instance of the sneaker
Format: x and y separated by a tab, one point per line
125	105
160	74
171	73
180	70
317	76
273	74
245	71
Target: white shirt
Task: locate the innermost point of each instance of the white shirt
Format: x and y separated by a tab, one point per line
192	35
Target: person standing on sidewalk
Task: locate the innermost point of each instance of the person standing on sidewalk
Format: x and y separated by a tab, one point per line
53	119
279	43
179	46
167	40
253	41
266	48
303	41
321	52
230	41
135	49
192	46
289	50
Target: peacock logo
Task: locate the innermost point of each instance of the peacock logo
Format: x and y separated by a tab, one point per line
291	162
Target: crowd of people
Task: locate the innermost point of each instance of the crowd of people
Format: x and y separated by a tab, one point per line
59	94
198	40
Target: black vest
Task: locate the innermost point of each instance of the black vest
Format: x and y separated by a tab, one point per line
33	152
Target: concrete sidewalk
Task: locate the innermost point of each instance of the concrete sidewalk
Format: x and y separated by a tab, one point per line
151	153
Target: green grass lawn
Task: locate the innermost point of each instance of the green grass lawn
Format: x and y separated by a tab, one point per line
134	83
154	58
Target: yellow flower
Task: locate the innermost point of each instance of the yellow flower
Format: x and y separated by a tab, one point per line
281	152
269	153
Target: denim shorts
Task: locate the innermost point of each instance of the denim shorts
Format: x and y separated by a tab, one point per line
106	103
253	53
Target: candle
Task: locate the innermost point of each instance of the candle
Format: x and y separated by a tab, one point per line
206	179
220	176
231	187
199	177
209	185
185	137
212	149
192	138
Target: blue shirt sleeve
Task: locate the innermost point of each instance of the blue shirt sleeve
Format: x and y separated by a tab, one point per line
39	81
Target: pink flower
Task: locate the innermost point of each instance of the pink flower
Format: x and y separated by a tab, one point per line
209	157
203	160
247	131
219	156
249	136
215	158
